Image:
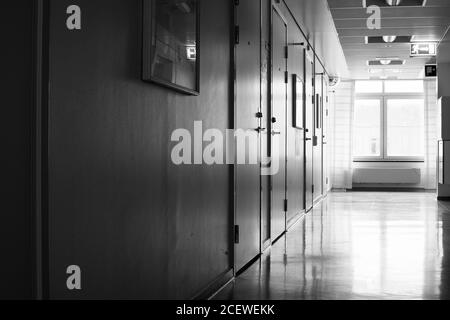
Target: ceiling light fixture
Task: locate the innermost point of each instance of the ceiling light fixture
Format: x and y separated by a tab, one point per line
389	39
385	62
393	2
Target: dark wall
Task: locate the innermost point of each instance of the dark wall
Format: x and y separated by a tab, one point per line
16	130
137	225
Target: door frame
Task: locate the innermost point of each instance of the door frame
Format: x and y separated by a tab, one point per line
40	267
276	10
234	121
318	128
325	134
265	243
308	59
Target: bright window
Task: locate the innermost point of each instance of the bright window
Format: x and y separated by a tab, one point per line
405	127
412	86
369	86
389	125
367	129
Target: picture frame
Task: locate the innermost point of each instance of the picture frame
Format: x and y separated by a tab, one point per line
299	102
171	44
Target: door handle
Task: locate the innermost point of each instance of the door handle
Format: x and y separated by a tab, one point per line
308	139
275	133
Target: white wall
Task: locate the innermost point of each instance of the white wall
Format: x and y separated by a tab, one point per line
341	134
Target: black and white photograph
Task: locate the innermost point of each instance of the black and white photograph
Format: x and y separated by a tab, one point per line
225	158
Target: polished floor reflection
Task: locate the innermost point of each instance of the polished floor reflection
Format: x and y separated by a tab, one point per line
357	246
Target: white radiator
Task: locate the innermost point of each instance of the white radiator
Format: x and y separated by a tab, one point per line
386	176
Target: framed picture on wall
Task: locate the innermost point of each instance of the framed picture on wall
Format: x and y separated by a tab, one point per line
299	102
171	44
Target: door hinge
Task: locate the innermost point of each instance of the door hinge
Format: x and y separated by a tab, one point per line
286	77
313	189
286	52
313	100
236	35
285	205
236	234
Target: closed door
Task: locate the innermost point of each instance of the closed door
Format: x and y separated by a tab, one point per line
317	140
326	179
278	130
309	132
248	188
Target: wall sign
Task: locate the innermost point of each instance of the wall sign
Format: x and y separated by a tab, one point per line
431	71
171	44
423	49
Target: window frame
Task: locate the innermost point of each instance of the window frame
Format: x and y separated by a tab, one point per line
383	97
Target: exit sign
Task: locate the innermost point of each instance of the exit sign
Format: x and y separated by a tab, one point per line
423	49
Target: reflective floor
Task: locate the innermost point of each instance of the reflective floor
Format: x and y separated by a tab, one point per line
357	246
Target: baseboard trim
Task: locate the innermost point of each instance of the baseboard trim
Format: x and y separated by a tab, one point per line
295	220
317	200
222	281
214	287
390	189
278	238
248	265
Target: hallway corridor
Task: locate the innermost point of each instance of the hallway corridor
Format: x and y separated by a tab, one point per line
357	246
155	149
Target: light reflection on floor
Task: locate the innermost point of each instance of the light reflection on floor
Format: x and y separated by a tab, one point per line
357	246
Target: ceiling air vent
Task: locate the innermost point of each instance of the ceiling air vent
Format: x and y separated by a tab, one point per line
382	62
394	3
397	39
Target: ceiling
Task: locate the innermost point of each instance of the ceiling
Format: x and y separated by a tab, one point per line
426	20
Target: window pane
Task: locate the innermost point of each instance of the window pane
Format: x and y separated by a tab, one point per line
412	86
367	128
405	128
369	86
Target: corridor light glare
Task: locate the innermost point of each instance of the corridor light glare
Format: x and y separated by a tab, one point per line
389	39
386	60
393	2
